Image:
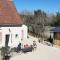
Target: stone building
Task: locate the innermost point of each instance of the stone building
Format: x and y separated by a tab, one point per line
12	30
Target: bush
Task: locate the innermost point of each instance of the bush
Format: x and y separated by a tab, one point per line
50	39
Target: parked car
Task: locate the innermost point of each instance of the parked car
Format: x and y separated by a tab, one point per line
27	48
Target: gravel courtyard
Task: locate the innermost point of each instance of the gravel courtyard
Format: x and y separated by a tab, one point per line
43	52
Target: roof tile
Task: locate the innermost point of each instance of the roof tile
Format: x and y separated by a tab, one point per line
8	13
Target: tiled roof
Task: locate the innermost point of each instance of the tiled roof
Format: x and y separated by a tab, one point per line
8	13
56	29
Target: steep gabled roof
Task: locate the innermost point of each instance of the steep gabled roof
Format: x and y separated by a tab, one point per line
8	13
